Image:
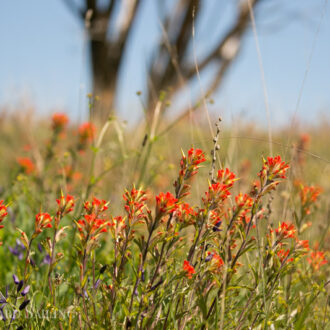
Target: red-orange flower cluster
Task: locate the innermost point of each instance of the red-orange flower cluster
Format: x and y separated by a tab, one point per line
3	213
195	156
26	164
94	222
59	121
302	244
90	226
97	206
43	220
135	203
243	201
116	226
165	203
226	177
185	214
286	230
215	260
65	205
217	193
86	133
282	254
308	197
189	269
188	168
215	220
317	259
244	204
303	144
272	169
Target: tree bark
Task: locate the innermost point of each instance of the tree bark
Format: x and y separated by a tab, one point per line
105	68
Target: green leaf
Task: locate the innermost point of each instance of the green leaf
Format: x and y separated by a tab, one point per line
299	324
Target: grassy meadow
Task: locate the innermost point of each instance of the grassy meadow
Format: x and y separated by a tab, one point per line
161	226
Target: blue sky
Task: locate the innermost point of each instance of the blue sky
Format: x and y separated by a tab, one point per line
44	59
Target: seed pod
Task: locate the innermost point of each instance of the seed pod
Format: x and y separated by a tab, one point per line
103	268
20	285
24	304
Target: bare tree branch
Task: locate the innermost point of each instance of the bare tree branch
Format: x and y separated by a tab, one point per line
165	69
232	40
227	57
110	7
127	23
91	4
182	40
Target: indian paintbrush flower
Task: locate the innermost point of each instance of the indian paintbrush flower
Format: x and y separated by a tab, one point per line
96	206
59	121
65	204
273	169
188	168
226	177
165	204
189	269
317	258
86	133
308	197
135	204
286	230
3	214
26	165
43	220
283	254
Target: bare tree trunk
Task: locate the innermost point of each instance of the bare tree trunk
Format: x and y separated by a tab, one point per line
105	73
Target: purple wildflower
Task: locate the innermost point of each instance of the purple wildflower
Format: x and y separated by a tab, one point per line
39	247
16	279
14	315
17	250
209	257
47	259
97	284
25	290
3	315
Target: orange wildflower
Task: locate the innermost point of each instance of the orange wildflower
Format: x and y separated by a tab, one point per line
65	204
26	164
226	177
3	213
59	121
286	230
317	258
282	254
86	132
273	168
165	203
43	220
188	168
189	269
